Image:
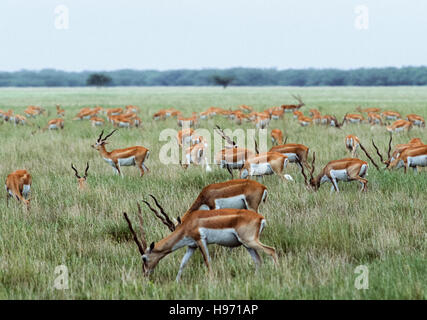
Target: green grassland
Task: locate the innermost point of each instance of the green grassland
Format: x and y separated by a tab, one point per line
320	237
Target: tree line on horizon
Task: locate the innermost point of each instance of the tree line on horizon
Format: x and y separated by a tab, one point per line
411	76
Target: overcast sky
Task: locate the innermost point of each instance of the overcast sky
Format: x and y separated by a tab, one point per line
195	34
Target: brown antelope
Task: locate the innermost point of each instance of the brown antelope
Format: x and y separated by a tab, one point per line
18	119
265	163
391	115
352	143
245	108
297	114
60	112
277	136
293	107
96	121
7	115
411	157
164	113
131	108
54	124
368	110
33	111
262	120
416	120
198	229
132	156
81	180
87	113
114	111
234	194
18	185
294	152
353	118
348	169
399	125
330	120
196	154
232	157
304	121
398	149
374	118
189	122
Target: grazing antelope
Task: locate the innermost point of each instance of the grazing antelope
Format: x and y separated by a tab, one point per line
114	111
87	113
353	118
262	120
297	114
277	136
131	108
293	107
348	169
33	111
398	149
96	121
411	157
330	120
416	120
81	180
18	185
399	125
234	194
391	115
164	113
189	122
8	115
368	110
198	229
294	152
196	154
60	112
18	119
374	118
132	156
352	143
265	164
246	108
54	124
304	121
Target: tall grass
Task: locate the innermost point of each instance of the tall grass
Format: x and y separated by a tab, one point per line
320	237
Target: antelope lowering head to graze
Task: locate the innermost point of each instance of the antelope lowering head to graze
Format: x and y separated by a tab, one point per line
412	157
132	156
81	180
304	121
398	149
374	118
353	118
293	107
189	122
399	126
245	108
18	185
391	115
330	120
60	112
416	120
131	108
96	121
277	136
368	110
262	120
114	111
348	169
294	152
352	143
33	111
198	229
54	124
87	113
234	194
18	119
196	154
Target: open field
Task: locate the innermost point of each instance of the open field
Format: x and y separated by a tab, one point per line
321	237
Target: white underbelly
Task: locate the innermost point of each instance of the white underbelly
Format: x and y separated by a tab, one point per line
26	190
418	160
354	120
399	129
292	157
87	117
224	237
232	165
127	161
339	174
391	117
53	127
97	123
363	170
236	202
260	169
124	124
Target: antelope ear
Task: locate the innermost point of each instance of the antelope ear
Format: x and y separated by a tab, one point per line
151	246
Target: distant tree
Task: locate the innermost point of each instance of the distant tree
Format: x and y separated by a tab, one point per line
223	81
98	79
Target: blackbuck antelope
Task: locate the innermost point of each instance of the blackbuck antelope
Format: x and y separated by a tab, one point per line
416	120
391	115
87	113
197	154
277	136
293	107
412	157
60	112
368	110
81	180
18	185
265	163
232	157
232	194
353	118
96	121
132	156
294	152
54	124
374	118
348	169
245	108
399	125
198	229
352	143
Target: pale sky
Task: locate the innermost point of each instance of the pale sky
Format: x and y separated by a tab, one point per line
196	34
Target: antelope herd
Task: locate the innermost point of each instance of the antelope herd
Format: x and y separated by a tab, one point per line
226	213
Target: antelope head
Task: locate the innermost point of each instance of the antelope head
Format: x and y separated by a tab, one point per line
389	159
102	141
81	180
313	182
